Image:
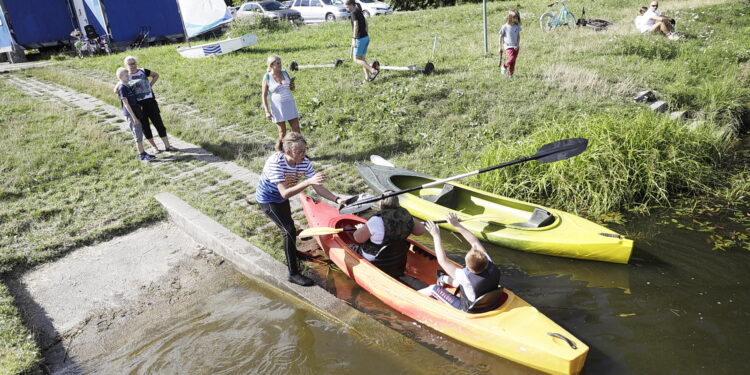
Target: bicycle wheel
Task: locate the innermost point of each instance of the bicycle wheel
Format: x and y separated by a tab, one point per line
545	21
570	20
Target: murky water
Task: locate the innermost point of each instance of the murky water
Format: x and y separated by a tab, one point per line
677	308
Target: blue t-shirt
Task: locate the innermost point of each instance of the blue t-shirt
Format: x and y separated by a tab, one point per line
125	92
278	170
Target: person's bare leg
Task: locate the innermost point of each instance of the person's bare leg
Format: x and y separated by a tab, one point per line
153	144
365	66
166	142
139	146
294	123
282	134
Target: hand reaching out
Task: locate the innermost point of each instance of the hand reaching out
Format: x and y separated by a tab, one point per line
433	228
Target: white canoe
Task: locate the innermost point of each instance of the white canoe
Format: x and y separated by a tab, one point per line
218	48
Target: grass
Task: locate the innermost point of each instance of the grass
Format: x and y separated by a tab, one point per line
64	185
565	80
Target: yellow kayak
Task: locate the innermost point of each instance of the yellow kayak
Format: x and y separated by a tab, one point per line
510	327
510	222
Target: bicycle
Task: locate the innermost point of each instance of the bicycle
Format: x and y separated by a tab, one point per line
550	20
594	23
82	44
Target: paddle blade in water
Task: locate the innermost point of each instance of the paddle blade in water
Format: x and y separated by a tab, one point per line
561	150
379	160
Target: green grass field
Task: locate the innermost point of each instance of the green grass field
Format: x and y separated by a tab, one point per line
569	83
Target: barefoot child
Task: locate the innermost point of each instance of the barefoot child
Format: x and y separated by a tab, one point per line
510	41
132	111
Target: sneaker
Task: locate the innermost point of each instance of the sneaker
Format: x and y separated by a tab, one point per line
171	149
510	76
300	280
158	151
502	70
147	157
673	36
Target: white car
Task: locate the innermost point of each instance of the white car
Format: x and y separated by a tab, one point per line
319	10
269	9
374	8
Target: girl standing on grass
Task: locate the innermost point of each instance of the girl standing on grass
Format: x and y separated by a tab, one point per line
277	86
510	41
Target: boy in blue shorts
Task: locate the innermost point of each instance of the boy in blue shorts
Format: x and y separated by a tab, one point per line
132	111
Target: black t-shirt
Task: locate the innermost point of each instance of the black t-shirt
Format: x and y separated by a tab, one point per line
361	22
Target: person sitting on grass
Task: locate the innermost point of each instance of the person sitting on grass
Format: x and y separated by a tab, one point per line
479	277
132	111
658	23
640	21
382	240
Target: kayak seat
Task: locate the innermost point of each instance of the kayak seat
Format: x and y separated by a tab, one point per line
445	198
411	282
488	301
539	218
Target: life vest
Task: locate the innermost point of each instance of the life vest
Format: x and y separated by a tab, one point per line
390	256
481	284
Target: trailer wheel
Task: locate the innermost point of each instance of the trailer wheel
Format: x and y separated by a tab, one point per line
293	66
429	68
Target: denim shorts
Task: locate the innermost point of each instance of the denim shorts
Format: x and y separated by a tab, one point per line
362	44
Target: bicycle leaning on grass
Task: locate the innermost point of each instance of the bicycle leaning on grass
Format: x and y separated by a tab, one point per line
564	17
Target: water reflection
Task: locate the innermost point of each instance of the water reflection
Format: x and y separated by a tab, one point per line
243	329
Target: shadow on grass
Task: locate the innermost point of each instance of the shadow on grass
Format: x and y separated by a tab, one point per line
235	150
384	150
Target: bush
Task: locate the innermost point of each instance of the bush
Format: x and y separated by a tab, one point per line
645	159
251	24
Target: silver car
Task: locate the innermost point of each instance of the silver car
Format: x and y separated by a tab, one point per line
319	10
269	9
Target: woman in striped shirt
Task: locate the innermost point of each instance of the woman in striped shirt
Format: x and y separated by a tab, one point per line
282	179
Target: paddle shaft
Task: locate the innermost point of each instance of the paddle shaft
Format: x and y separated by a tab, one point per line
467	174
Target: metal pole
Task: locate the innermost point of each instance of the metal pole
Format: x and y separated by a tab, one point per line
187	40
484	15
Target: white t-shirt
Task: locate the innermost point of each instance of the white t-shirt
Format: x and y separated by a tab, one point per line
377	229
649	15
640	24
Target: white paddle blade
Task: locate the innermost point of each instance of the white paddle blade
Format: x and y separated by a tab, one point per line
379	160
352	207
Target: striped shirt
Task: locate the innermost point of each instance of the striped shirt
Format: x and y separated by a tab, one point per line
278	170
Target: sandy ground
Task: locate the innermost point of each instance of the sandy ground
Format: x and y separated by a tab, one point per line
79	303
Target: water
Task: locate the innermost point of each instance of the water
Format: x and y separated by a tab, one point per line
677	308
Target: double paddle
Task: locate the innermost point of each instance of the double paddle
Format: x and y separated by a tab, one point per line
551	152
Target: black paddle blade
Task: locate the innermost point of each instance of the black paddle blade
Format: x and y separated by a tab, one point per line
561	150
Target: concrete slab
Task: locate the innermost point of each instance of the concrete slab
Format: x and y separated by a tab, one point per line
658	106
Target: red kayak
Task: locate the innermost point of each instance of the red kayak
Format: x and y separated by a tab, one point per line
514	330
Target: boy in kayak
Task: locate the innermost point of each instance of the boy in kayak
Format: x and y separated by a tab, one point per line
382	240
479	277
282	179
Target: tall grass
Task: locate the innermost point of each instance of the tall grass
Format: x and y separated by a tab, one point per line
642	159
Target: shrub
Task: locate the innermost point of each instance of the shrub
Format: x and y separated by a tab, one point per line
644	158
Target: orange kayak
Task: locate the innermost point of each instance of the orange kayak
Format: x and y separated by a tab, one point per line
515	330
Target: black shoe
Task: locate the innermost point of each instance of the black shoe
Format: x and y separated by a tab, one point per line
300	280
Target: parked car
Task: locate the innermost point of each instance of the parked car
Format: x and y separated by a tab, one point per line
320	10
270	9
374	8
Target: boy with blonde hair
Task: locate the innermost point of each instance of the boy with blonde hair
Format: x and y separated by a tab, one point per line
479	277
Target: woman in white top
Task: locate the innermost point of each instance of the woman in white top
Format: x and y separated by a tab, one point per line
278	86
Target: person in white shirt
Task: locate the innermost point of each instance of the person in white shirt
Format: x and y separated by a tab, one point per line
658	23
640	22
